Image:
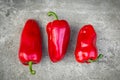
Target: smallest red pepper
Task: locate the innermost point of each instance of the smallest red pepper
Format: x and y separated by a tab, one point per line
86	50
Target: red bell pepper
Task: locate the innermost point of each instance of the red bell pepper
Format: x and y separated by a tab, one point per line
58	38
86	50
30	51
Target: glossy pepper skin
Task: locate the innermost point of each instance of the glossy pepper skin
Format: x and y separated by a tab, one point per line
30	51
86	50
58	38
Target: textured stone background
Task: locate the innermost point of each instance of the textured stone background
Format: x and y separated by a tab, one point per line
103	14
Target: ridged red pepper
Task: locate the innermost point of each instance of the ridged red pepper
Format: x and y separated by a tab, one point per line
86	50
30	51
58	38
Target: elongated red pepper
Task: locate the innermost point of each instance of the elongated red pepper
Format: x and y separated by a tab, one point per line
58	38
30	51
86	50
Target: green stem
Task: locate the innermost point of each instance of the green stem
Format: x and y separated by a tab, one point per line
99	57
50	13
30	68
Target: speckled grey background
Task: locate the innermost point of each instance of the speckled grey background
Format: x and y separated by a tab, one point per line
104	15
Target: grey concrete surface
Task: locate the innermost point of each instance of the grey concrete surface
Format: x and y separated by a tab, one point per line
104	15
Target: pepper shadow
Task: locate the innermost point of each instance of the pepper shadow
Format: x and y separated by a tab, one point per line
44	40
72	44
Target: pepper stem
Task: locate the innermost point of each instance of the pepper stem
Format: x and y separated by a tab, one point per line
50	13
30	68
99	57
